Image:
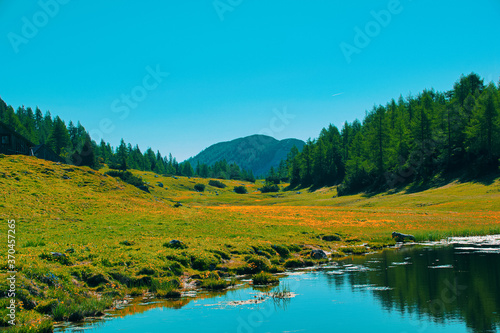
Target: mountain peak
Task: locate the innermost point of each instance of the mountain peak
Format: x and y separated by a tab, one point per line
257	152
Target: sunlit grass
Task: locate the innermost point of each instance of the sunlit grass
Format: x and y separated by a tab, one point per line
113	234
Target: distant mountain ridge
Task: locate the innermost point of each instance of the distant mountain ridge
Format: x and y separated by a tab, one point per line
257	153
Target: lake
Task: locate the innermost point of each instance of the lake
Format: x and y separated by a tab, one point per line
451	286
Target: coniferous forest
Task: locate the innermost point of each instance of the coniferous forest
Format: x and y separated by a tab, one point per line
413	139
75	146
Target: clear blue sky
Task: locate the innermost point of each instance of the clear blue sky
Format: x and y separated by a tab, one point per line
231	66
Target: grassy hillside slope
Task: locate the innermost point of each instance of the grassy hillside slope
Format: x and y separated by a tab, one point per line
114	235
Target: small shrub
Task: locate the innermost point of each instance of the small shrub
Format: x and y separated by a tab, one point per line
175	244
295	248
78	309
80	272
59	312
204	263
214	284
240	189
46	307
165	288
222	254
28	300
331	238
276	261
216	183
43	275
127	243
267	252
63	260
174	267
175	282
199	187
294	263
96	280
270	188
126	176
258	264
143	281
146	271
181	259
282	250
376	245
121	277
264	278
309	263
276	269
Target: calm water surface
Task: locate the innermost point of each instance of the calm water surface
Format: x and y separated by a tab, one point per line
453	288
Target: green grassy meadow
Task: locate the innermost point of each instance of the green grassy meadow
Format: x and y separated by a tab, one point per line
116	237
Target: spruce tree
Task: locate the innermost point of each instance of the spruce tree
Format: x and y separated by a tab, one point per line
120	159
59	139
483	133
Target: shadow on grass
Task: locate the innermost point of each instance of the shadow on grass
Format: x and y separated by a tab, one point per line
416	186
429	183
485	180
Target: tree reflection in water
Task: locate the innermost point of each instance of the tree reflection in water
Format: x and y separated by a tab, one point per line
439	283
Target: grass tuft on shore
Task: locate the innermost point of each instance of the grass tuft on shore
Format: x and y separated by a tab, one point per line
263	278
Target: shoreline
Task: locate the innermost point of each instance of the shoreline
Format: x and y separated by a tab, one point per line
149	299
